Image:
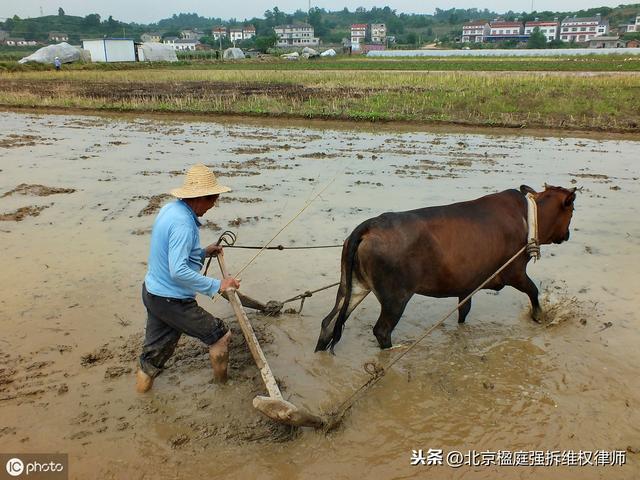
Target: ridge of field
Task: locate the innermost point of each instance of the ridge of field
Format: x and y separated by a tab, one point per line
592	63
601	102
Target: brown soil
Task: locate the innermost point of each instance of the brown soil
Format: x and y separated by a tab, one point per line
37	190
23	212
15	140
154	204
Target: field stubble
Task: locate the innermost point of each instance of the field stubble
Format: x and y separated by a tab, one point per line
606	102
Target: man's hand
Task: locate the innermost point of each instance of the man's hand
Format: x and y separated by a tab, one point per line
229	282
213	250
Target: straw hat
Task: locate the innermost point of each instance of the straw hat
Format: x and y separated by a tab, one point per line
199	182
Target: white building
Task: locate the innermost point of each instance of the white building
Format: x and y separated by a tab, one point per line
218	32
378	33
248	32
575	29
151	37
301	34
110	49
358	35
550	29
181	43
235	35
19	42
58	37
189	34
475	32
632	27
503	30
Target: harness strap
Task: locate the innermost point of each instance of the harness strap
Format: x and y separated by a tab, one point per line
533	244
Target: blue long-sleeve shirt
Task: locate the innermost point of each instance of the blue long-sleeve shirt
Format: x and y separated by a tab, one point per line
175	257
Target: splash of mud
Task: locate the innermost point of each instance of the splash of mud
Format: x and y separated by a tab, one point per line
559	307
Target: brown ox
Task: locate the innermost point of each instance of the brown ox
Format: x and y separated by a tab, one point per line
445	251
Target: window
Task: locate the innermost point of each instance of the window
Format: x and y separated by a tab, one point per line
583	29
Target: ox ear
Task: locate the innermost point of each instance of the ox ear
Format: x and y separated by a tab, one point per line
568	201
527	189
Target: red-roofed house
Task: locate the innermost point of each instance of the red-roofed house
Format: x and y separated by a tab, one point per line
549	28
358	35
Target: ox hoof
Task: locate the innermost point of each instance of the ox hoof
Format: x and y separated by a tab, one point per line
536	315
400	346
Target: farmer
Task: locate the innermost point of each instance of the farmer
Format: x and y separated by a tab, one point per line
57	63
173	278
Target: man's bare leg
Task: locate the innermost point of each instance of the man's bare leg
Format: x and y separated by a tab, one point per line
143	382
219	355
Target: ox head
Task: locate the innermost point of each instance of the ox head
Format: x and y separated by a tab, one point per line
555	209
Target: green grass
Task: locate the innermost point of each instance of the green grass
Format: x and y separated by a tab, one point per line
591	63
605	102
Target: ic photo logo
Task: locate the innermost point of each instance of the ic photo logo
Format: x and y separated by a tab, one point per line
35	466
14	467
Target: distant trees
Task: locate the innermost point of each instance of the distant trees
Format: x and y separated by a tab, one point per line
264	43
60	12
92	20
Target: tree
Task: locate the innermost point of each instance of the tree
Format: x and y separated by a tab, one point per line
265	43
92	20
537	39
60	12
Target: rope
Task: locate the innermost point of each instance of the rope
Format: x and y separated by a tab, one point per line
377	371
281	247
266	245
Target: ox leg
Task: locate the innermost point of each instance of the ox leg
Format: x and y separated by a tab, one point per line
392	310
527	286
463	310
358	293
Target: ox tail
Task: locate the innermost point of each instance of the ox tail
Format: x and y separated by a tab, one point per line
349	260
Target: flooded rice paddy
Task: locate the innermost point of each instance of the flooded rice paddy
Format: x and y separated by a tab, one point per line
78	196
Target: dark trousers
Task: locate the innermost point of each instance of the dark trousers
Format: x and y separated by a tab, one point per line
167	320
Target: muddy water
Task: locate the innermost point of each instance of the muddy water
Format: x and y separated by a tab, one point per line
72	318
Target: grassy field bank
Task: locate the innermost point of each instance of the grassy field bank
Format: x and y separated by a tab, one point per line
591	63
602	102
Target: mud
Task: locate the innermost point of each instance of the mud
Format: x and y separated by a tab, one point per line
37	190
73	320
23	212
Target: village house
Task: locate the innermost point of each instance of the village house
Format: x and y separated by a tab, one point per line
606	42
58	37
248	32
235	34
576	29
190	34
300	34
3	35
550	29
218	32
151	37
358	35
631	27
378	33
19	42
181	43
500	30
475	32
